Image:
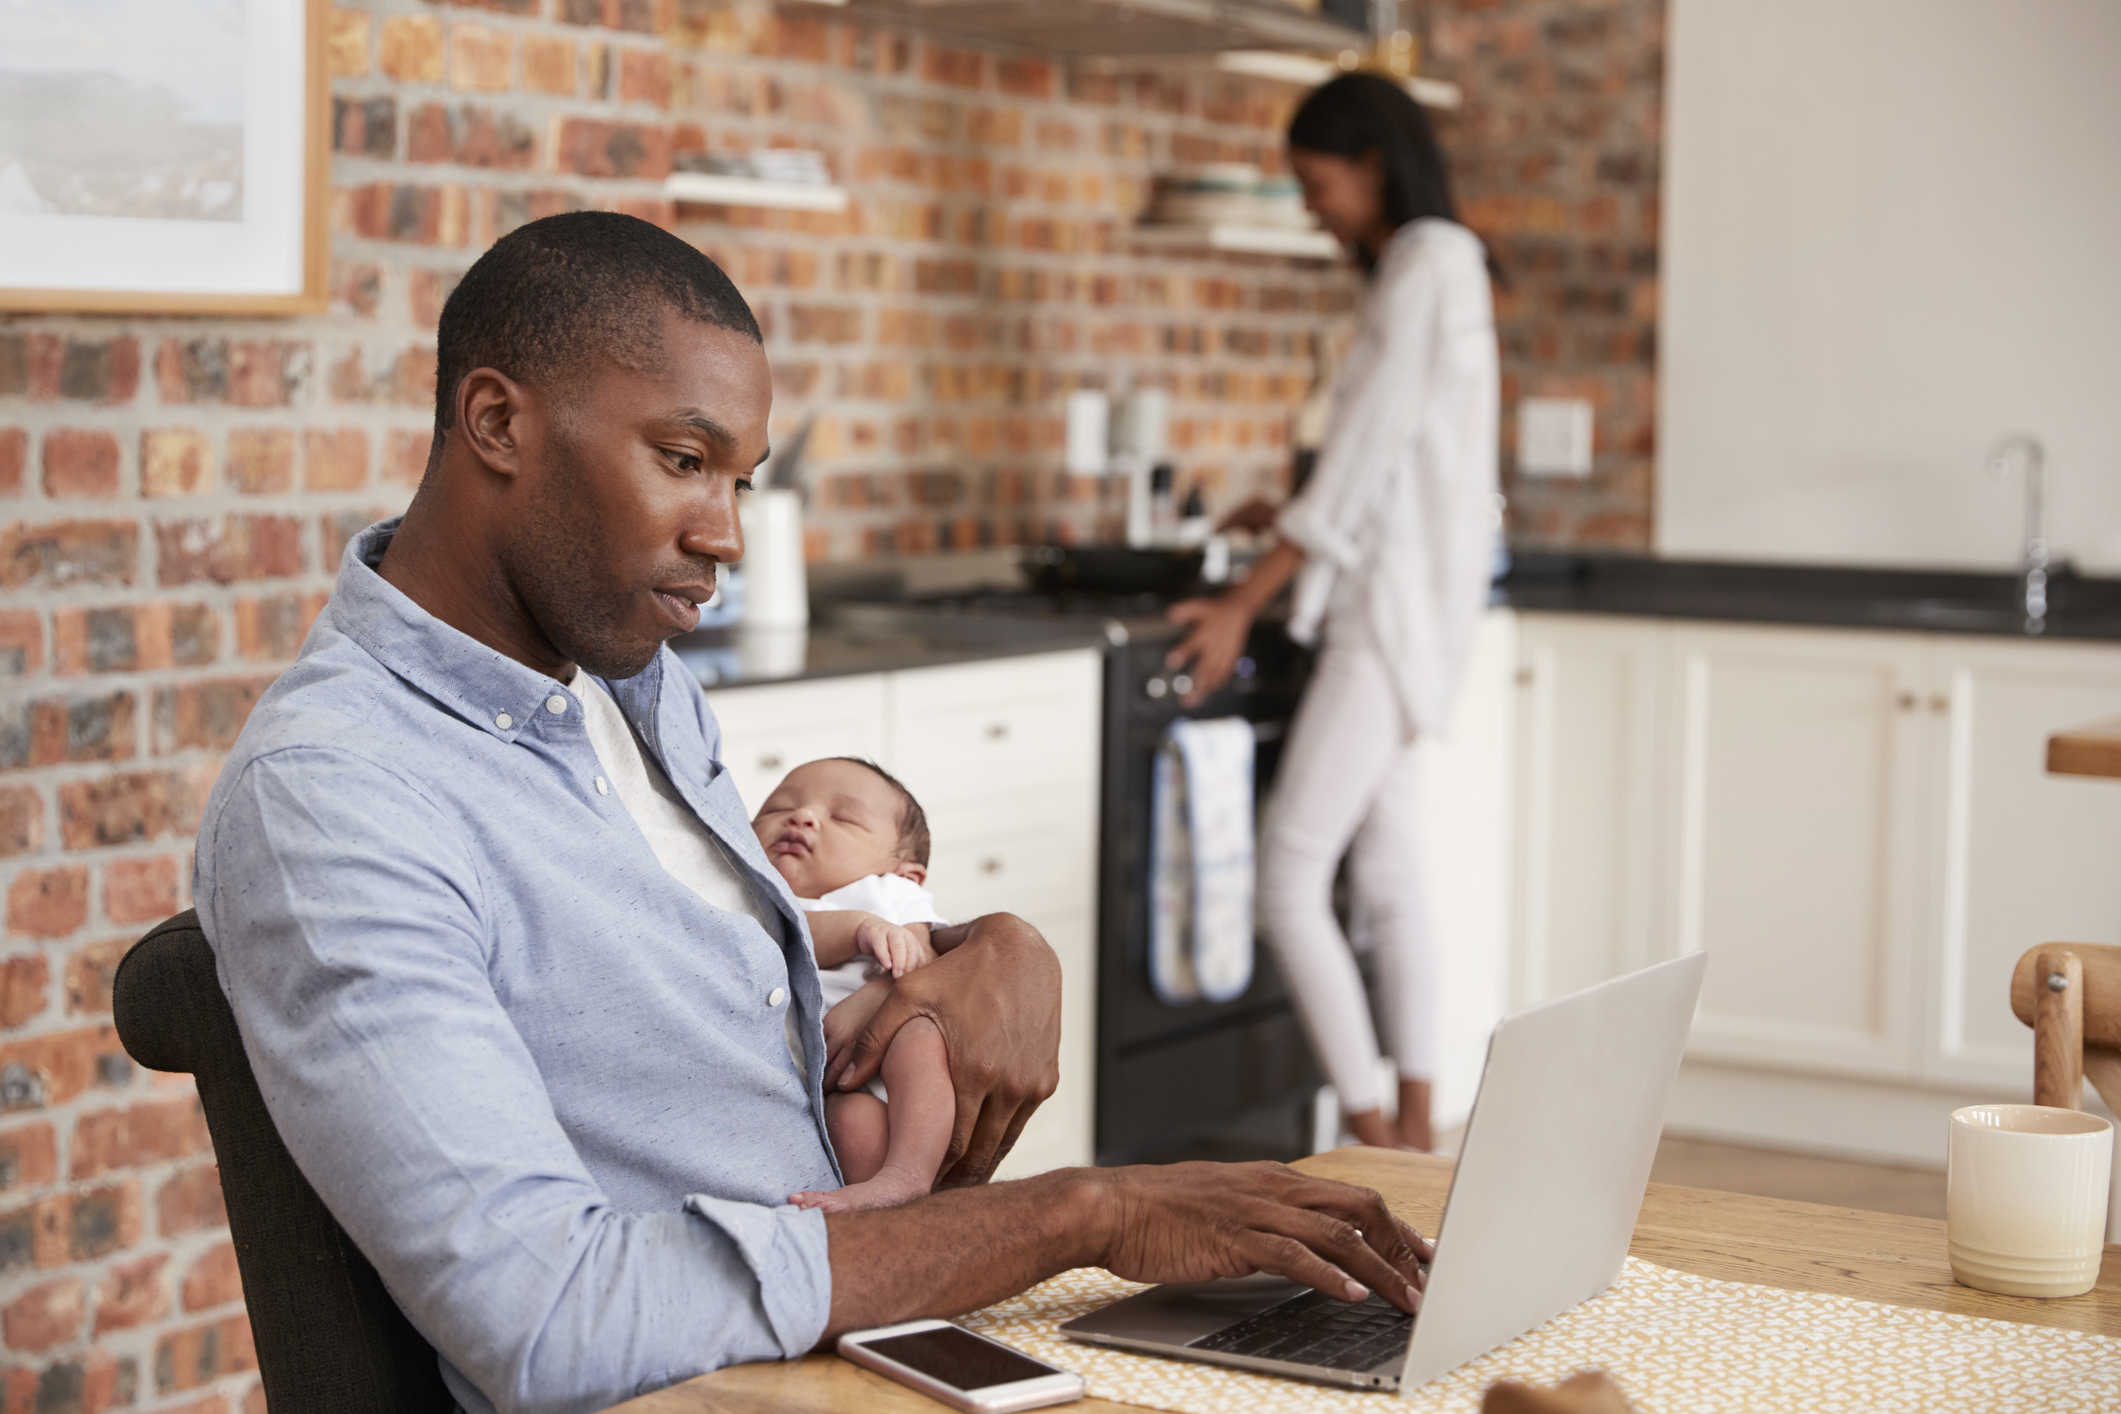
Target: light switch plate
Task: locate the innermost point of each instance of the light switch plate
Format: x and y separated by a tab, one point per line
1554	436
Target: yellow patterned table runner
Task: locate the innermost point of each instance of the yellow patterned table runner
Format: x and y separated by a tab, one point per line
1676	1343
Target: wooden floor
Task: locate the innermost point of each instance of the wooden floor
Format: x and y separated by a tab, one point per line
1841	1183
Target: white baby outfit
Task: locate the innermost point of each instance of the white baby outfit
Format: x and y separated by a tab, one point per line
891	897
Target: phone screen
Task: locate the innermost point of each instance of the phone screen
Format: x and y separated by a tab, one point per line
960	1358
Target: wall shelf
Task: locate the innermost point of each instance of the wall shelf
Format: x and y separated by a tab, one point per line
1118	28
1310	71
1245	240
709	189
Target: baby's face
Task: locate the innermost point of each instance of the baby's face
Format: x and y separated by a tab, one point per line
830	823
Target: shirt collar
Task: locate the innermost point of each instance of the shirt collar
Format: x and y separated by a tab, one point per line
482	685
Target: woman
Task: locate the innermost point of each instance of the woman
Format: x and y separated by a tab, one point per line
1390	543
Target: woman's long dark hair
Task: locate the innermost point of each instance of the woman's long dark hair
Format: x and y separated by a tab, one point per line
1357	114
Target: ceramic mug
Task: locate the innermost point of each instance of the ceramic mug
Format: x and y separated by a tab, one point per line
2025	1198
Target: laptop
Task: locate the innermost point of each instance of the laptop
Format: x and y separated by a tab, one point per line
1542	1206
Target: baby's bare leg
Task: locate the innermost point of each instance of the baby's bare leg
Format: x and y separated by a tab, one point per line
923	1108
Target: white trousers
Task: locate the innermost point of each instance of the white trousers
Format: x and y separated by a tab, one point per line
1347	775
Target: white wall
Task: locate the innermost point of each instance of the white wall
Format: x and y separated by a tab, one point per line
1892	232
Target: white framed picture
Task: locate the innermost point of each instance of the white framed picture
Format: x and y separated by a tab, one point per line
162	156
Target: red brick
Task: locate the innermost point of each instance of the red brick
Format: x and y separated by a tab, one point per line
132	1294
65	552
174	461
14	456
151	1132
479	58
265	373
213	1280
22	641
470	136
187	1359
105	371
81	729
405	457
548	64
244	547
45	1316
364	127
357	285
21	821
272	629
14	365
261	460
396	211
90	971
1028	78
120	809
342	526
346	42
334	459
129	637
191	1202
206	714
254	1400
83	1384
80	462
140	890
644	77
590	148
47	903
56	1067
23	983
411	48
29	1157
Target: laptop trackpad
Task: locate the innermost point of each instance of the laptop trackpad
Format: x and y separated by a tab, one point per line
1179	1314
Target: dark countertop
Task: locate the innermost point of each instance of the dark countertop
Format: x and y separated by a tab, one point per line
1944	601
859	638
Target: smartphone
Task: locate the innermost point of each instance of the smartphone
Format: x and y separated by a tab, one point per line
963	1370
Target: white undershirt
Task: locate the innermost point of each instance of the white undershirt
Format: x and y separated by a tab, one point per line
683	845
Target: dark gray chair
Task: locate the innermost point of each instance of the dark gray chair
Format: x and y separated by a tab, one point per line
329	1338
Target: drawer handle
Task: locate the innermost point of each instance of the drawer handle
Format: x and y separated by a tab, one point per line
997	730
771	762
992	864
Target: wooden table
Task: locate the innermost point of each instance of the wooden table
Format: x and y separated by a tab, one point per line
1797	1246
2086	751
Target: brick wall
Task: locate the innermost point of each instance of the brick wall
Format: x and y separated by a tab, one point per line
174	493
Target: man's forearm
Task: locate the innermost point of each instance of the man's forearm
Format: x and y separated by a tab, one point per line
959	1250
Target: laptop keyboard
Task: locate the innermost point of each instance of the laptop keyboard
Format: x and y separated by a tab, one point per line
1311	1329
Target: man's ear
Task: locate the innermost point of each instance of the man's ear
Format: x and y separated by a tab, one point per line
911	869
491	408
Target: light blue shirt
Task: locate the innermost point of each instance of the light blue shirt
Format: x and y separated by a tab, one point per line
543	1085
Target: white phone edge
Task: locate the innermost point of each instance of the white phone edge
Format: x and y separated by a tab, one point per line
1060	1387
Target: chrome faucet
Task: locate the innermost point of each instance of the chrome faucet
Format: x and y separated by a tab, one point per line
2022	450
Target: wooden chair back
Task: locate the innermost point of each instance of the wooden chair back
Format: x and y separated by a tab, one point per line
2070	994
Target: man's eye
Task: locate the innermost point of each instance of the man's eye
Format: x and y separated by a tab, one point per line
743	483
685	461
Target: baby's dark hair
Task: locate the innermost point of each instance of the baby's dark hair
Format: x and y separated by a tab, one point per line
912	820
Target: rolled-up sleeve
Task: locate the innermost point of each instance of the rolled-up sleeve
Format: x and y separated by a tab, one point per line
347	913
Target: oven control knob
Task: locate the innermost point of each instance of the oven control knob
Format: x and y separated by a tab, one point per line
1182	684
1156	688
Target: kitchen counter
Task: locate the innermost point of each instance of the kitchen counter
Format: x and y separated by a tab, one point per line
858	638
1938	600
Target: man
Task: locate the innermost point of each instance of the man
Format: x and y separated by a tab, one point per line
523	996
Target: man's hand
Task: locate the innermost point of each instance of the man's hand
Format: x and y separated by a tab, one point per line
1195	1222
994	991
896	948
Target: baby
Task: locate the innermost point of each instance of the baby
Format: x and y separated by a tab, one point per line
853	845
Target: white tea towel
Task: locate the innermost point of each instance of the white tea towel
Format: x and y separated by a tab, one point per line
1200	917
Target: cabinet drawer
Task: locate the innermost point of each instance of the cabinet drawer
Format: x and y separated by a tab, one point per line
769	731
1033	855
976	731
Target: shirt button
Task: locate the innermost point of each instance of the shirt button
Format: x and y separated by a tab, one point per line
503	720
777	996
603	786
556	704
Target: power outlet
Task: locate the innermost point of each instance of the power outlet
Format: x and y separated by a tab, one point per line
1554	436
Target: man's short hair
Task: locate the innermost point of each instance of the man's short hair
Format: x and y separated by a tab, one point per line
553	296
912	820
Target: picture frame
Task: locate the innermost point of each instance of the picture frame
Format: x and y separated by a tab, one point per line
164	156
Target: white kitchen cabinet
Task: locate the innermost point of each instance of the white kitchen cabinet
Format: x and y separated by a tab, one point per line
1856	825
1003	755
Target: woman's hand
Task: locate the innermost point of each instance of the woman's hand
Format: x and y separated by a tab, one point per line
1214	641
1256	515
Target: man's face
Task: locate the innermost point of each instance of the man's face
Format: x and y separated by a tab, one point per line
830	823
629	495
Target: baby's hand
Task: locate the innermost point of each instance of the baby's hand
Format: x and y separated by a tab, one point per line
896	948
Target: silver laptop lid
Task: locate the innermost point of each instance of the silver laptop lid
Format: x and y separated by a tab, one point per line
1556	1158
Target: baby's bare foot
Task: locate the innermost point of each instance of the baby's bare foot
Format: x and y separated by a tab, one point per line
889	1189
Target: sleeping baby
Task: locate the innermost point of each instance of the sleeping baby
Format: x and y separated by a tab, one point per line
852	844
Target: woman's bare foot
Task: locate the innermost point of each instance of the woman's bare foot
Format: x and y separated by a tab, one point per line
889	1189
1372	1128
